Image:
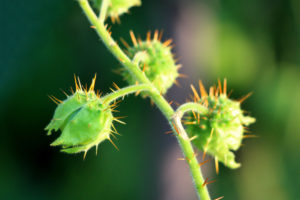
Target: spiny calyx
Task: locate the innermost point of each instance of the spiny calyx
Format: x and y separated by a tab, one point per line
155	59
221	130
117	7
83	119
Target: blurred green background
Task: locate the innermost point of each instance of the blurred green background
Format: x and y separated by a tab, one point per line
254	44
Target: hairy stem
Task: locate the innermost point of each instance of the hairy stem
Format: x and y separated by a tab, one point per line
154	94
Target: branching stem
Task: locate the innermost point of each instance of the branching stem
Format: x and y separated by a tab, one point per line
154	94
187	149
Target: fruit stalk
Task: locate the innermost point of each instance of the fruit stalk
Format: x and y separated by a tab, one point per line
154	94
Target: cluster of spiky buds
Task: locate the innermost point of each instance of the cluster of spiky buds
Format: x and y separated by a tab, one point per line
83	119
219	131
155	59
117	8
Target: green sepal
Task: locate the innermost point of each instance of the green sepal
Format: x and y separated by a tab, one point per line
83	127
64	110
85	121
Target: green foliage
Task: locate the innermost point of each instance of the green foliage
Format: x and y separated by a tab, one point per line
235	50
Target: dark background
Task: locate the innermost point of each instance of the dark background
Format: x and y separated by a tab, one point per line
255	44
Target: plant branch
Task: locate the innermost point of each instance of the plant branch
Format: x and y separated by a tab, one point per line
181	110
154	94
103	10
191	157
125	91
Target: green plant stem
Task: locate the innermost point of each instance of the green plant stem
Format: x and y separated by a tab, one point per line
125	91
124	60
103	10
154	94
193	162
181	110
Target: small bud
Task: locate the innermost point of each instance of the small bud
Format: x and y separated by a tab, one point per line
155	59
83	119
117	7
220	130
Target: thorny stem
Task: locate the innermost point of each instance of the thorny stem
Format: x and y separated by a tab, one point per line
154	94
193	162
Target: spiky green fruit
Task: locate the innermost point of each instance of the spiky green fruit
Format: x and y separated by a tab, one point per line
117	7
221	130
83	119
155	59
